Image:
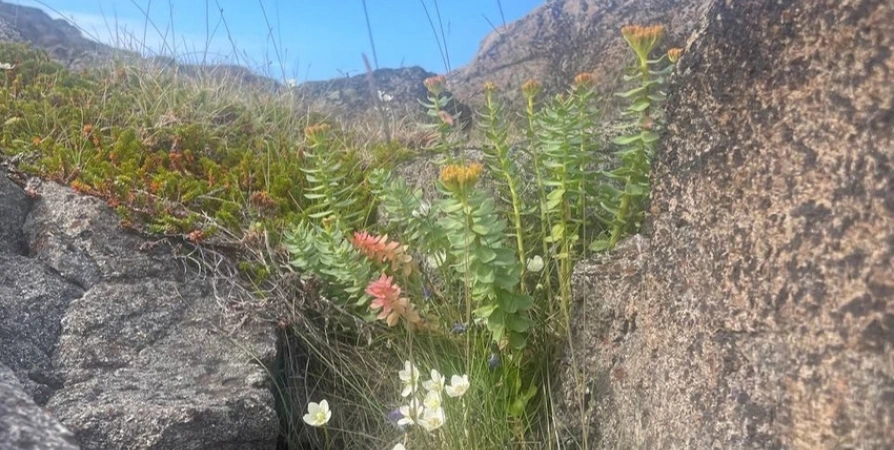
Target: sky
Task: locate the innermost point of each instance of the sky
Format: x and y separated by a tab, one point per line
298	39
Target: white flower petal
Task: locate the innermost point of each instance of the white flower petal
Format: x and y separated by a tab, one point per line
433	419
432	400
458	386
318	414
535	264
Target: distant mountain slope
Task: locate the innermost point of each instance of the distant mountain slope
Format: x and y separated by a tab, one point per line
61	40
553	43
562	38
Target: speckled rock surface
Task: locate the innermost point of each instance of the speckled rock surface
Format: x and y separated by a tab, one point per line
759	314
13	210
23	424
33	301
79	237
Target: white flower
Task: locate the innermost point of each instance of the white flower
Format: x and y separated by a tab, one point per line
432	400
6	66
458	386
411	413
385	97
399	446
317	414
432	419
410	378
535	264
291	82
436	383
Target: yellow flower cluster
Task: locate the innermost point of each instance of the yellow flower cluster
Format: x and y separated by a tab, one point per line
456	176
643	39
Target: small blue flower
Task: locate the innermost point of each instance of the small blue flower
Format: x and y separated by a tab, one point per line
459	328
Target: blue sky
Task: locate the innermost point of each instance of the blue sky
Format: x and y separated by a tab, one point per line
317	39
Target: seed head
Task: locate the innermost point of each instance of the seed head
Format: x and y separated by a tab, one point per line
435	84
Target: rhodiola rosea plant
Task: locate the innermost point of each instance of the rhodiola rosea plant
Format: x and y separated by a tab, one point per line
477	280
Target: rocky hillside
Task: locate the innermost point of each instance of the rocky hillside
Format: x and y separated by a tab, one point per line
61	40
357	97
562	38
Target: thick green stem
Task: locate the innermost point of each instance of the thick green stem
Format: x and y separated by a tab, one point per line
624	208
505	166
541	192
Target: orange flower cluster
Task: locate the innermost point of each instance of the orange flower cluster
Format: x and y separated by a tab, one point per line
674	54
643	39
435	84
585	80
386	297
380	249
531	88
455	176
263	201
317	133
196	236
81	187
446	118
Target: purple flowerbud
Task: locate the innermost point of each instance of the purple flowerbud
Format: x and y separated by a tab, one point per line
494	361
394	416
459	328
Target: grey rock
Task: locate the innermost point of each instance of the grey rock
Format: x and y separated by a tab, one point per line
23	424
79	237
761	312
132	349
151	365
13	210
33	300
